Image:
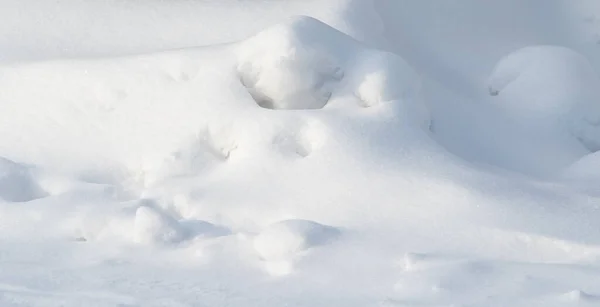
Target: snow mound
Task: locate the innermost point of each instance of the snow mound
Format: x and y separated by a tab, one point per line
155	227
17	184
550	88
282	244
183	113
304	63
148	148
286	239
287	66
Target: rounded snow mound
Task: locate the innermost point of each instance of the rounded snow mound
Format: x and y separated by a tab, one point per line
552	88
287	66
17	183
285	239
154	227
304	64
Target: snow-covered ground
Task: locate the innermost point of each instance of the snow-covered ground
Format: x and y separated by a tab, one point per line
299	153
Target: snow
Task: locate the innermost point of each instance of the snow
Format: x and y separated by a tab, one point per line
281	69
17	184
282	242
299	153
151	226
552	88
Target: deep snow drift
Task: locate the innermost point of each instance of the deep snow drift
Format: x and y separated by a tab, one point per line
304	164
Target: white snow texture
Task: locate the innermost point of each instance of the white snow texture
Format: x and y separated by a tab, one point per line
299	153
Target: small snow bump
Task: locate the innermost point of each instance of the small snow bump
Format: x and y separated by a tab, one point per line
286	239
580	296
155	227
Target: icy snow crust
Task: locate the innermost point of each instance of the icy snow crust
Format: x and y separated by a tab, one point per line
300	167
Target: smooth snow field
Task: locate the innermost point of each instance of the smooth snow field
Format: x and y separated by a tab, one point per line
246	153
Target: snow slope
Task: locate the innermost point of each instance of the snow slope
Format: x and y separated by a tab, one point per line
377	153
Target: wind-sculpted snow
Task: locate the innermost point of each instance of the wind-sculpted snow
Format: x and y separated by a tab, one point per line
300	166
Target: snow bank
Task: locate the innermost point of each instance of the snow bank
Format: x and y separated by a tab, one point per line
182	129
142	109
252	142
186	124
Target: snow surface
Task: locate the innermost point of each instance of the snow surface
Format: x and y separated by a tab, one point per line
299	153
